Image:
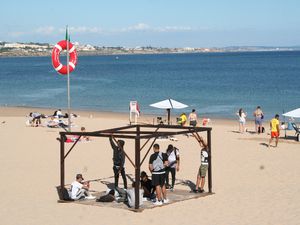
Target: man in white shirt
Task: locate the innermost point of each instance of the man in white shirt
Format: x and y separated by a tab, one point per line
80	189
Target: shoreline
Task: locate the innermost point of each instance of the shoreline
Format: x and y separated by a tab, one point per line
23	111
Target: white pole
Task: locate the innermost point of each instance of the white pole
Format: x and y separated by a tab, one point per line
68	75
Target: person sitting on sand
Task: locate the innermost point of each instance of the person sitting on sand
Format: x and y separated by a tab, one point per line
84	138
131	196
147	186
58	114
80	189
182	119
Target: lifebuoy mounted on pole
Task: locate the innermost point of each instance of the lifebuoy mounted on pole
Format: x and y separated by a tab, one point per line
60	68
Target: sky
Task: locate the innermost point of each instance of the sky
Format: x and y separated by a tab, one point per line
157	23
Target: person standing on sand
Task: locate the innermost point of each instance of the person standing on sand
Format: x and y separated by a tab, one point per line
157	163
193	118
203	167
259	115
118	160
173	165
275	131
242	120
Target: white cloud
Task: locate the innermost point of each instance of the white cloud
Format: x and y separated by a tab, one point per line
137	27
48	30
16	34
174	29
83	30
146	27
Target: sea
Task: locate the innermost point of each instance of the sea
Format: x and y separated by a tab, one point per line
215	84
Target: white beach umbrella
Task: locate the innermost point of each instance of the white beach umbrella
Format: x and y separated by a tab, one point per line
294	113
169	104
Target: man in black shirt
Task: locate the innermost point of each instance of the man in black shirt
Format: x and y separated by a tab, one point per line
147	186
118	160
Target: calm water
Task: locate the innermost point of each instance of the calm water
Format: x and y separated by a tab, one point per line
215	84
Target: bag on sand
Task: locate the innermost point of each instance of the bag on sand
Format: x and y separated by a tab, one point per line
109	197
65	195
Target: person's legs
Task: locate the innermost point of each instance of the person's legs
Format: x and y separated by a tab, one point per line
202	184
243	127
158	192
202	174
164	191
167	176
116	172
198	180
82	193
124	178
271	138
173	173
277	138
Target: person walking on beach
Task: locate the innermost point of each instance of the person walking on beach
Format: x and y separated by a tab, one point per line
259	116
242	120
157	163
193	118
173	165
203	167
118	160
275	131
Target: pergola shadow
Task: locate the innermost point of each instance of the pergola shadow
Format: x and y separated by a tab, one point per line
137	132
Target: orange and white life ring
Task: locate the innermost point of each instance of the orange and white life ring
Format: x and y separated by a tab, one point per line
62	45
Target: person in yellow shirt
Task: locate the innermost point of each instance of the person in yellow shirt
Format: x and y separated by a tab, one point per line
182	119
275	132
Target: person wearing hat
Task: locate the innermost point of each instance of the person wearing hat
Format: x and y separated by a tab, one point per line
80	189
118	160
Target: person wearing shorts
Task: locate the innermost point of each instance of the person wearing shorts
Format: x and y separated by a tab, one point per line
275	131
203	167
157	163
259	115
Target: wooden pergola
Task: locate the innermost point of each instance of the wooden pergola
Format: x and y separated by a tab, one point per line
137	132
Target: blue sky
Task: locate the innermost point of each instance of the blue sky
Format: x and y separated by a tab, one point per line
159	23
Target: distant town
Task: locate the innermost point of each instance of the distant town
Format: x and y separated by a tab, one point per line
8	49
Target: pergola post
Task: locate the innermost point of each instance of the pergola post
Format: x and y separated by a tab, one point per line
62	162
209	161
137	167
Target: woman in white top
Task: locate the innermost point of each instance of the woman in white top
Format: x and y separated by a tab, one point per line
242	120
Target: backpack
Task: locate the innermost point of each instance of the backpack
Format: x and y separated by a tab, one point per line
65	195
106	198
158	163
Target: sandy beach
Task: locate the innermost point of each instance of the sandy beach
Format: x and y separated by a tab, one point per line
253	184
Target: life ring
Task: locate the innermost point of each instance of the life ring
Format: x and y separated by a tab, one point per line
60	68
